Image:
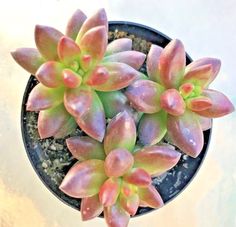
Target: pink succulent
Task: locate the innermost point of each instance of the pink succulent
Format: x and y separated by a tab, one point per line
176	98
71	68
112	177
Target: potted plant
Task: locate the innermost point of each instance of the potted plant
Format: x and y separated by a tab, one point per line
125	121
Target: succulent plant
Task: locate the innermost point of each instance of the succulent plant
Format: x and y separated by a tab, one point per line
71	68
114	177
176	99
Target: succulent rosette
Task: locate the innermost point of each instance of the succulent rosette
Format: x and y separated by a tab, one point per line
71	68
176	99
114	177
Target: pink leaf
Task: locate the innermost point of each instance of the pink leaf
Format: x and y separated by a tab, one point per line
98	76
84	179
85	148
153	62
120	76
144	95
118	162
121	133
50	74
55	122
199	103
150	197
46	39
172	102
71	79
90	208
172	64
109	192
41	98
116	216
28	58
152	128
221	105
75	23
130	204
119	45
156	159
186	133
206	123
133	58
98	19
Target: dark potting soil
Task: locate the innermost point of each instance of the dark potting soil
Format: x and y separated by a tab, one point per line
52	159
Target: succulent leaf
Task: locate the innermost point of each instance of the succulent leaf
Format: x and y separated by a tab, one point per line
186	133
153	63
98	76
84	179
132	58
172	102
144	95
75	23
118	162
109	192
121	133
199	103
41	98
46	39
90	207
120	76
221	105
156	160
55	122
172	64
150	197
130	204
119	45
215	67
116	216
98	19
85	148
152	128
28	58
71	79
50	74
205	122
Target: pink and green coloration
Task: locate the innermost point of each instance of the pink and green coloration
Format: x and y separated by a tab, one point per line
176	99
112	177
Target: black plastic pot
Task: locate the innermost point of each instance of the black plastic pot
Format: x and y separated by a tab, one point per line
176	179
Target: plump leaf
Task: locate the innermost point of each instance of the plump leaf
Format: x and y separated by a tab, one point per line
93	120
120	76
132	58
121	133
119	45
172	102
28	58
50	74
156	159
74	24
186	133
138	177
221	105
153	63
213	62
172	64
130	204
150	197
116	216
206	123
71	79
84	179
144	95
99	18
114	102
152	128
94	42
186	89
90	207
41	98
98	76
118	162
85	148
109	192
68	52
46	39
86	62
56	122
199	103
